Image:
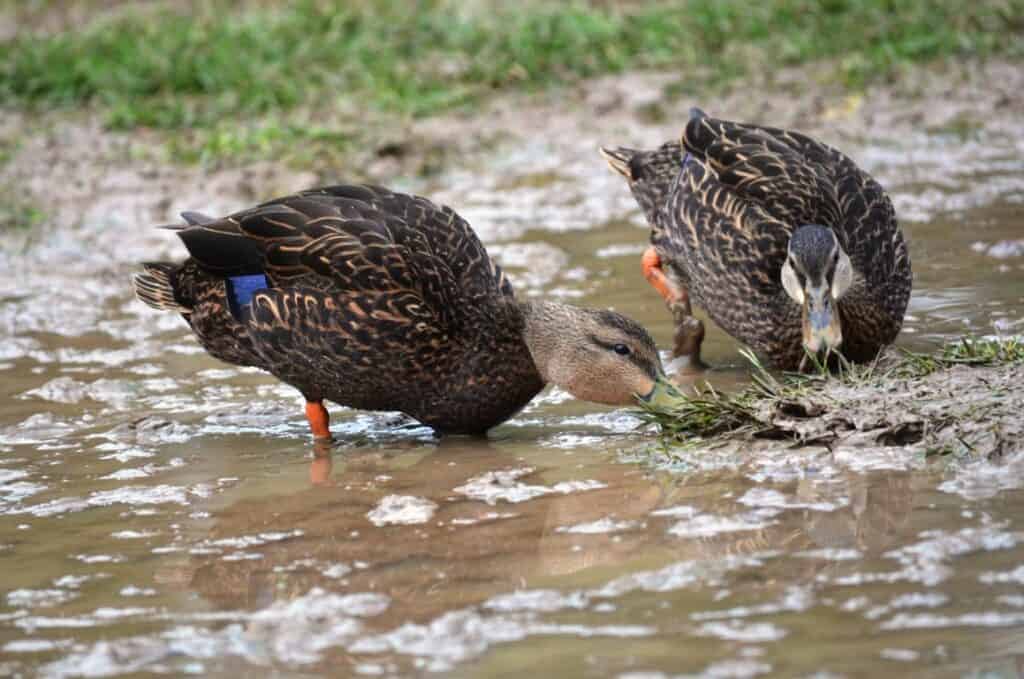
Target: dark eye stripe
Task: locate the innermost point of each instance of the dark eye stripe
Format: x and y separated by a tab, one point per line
610	346
634	357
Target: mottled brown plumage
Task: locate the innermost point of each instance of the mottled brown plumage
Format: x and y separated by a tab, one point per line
385	301
723	205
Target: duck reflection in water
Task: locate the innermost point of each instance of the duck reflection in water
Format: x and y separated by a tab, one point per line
473	543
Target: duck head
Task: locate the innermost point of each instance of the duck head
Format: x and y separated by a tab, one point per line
596	355
816	275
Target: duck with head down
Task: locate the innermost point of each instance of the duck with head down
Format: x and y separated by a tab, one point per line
784	242
385	301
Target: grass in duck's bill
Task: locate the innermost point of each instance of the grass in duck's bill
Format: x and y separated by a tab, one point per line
170	69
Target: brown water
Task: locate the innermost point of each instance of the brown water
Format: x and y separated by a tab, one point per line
161	512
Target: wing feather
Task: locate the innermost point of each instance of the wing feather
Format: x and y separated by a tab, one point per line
339	254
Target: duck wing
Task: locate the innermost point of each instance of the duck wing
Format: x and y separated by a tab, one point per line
357	281
798	180
792	181
445	234
361	242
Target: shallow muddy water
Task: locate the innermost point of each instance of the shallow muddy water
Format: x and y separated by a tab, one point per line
162	512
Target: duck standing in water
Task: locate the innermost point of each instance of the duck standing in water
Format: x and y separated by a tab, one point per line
385	301
784	242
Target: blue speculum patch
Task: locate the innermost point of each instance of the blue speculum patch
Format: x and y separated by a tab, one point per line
241	290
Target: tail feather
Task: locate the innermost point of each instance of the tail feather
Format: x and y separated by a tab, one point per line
619	158
155	287
194	218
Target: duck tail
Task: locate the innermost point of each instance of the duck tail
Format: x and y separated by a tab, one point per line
619	158
156	287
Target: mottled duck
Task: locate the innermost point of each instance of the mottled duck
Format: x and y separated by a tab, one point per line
379	300
785	243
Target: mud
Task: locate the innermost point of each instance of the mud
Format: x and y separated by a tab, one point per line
956	415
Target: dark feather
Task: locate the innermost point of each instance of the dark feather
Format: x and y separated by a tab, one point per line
193	218
221	248
155	287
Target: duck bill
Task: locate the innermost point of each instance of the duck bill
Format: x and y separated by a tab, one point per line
663	395
822	330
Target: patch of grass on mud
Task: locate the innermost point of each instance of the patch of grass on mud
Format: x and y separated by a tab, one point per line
968	351
760	409
228	61
709	413
300	144
17	212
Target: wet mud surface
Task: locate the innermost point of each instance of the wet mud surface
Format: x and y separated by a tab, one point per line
162	512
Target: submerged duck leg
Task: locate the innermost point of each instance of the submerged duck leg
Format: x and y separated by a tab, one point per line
687	341
322	464
689	330
319	420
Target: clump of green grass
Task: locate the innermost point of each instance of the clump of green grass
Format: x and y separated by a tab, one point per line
708	413
966	351
171	70
711	413
984	351
252	141
18	213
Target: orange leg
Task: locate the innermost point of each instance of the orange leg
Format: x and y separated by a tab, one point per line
655	275
689	333
319	420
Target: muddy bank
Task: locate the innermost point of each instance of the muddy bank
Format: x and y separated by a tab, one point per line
646	109
906	408
78	174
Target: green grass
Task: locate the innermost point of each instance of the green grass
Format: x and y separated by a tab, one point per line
967	351
171	71
17	212
305	144
710	413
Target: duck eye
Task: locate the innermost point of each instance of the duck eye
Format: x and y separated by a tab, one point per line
621	349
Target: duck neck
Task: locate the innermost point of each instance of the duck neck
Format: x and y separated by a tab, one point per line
547	326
